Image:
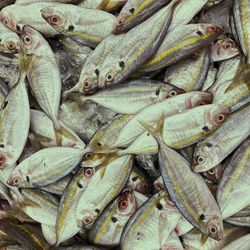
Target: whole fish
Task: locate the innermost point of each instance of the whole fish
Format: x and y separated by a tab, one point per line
151	225
105	185
42	61
189	74
135	12
136	47
66	224
153	113
241	10
233	187
16	16
182	42
14	122
87	26
217	146
9	40
45	167
195	202
182	130
132	96
108	228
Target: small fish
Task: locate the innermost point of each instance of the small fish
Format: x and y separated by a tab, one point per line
216	147
16	16
132	96
135	12
86	26
45	167
233	187
9	40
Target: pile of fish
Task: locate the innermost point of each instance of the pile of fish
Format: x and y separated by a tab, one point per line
125	124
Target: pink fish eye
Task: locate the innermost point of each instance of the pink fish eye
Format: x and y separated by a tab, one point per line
87	221
220	118
2	159
54	20
122	204
27	40
88	172
11	46
15	181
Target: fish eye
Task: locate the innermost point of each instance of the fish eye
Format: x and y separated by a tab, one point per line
211	171
5	21
27	40
132	10
54	20
86	84
88	156
120	22
11	46
220	118
2	159
212	229
122	204
200	159
109	77
172	93
87	221
88	172
16	181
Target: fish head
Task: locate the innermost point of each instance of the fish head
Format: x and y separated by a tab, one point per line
108	75
224	48
197	99
204	157
210	29
214	227
88	81
86	218
6	158
139	183
16	179
55	16
218	114
126	204
91	159
9	43
8	19
30	40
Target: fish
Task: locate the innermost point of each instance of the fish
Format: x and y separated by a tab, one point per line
216	147
45	167
196	203
86	26
132	96
136	47
152	224
179	131
105	185
14	121
108	228
151	114
224	48
181	42
135	12
66	224
241	22
16	16
242	243
234	183
9	40
26	2
189	74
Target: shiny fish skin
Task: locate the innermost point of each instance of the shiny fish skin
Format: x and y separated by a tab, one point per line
14	123
234	182
189	74
105	185
136	47
151	114
66	224
151	225
132	96
217	146
195	202
41	62
241	243
181	42
4	91
86	26
241	10
134	12
9	40
16	16
45	167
